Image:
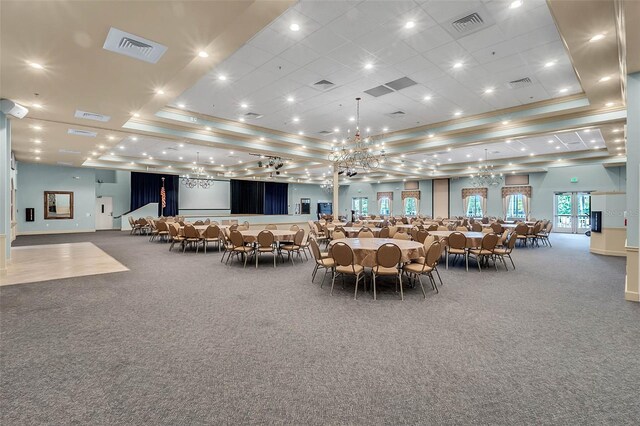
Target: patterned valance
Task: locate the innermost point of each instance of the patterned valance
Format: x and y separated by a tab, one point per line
467	192
382	195
411	194
512	190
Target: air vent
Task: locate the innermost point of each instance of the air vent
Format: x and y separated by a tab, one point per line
253	115
469	22
323	85
324	132
67	151
92	116
520	83
396	114
401	83
64	163
494	152
378	91
133	46
79	132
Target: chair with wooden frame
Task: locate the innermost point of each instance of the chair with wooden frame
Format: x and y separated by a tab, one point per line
476	227
485	252
401	236
365	233
506	250
211	235
497	228
533	235
458	247
388	259
239	248
321	261
421	235
191	237
521	232
265	243
427	267
295	247
344	260
384	232
271	227
543	235
175	237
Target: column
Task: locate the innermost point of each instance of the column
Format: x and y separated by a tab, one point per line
633	170
336	194
5	191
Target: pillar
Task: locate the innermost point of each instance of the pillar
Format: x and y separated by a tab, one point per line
336	194
5	192
633	170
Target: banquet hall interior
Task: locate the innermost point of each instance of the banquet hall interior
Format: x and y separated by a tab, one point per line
319	212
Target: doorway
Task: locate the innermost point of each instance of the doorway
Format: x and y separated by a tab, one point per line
104	213
572	212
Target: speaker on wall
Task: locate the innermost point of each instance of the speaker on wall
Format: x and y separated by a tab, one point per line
31	214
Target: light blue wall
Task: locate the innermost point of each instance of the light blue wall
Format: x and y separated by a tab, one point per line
543	185
117	185
370	190
312	191
34	179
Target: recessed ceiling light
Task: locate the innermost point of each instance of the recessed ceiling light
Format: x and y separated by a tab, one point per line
203	54
448	159
111	153
207	128
301	133
160	91
457	113
505	122
164	152
290	99
304	146
110	138
457	65
468	155
37	151
150	158
549	64
133	138
563	90
121	147
144	153
550	141
531	154
428	97
181	145
385	129
368	66
597	37
609	104
36	65
101	147
222	77
244	106
409	24
37	106
523	149
230	152
616	130
241	119
239	161
180	158
558	147
515	4
169	166
181	105
620	148
37	158
508	141
352	119
605	78
294	27
296	119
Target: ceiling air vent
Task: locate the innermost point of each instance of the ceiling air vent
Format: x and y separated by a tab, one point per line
378	91
396	114
520	83
79	132
68	151
469	23
133	46
252	115
401	83
324	132
323	85
92	116
64	163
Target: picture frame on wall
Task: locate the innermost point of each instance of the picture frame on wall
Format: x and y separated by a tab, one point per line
58	205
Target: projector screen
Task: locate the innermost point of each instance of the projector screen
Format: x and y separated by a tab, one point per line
216	197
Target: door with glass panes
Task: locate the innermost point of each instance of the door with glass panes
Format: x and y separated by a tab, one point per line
572	212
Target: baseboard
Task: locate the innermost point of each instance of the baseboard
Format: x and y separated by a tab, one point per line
608	252
72	231
631	296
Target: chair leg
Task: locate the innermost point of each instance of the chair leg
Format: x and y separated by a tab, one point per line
446	253
401	292
257	256
466	260
333	281
313	274
274	259
374	286
438	273
424	293
511	259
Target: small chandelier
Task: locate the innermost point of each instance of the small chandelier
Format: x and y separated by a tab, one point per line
486	175
327	185
357	153
198	177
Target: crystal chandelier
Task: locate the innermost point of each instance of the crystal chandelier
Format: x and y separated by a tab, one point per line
197	178
486	175
357	152
327	185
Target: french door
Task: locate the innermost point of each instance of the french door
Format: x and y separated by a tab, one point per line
572	212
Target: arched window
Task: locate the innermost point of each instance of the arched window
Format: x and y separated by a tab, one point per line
385	203
411	202
474	206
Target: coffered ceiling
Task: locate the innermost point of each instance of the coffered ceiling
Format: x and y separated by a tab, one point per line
509	82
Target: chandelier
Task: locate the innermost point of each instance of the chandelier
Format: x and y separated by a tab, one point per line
486	175
198	178
327	185
357	152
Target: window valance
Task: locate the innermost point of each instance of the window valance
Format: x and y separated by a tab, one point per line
512	190
467	192
411	194
382	195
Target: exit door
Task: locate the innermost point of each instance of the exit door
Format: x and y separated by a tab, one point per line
104	213
572	212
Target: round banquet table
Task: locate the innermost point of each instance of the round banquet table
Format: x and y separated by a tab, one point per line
199	228
474	239
365	249
251	235
353	230
334	224
504	225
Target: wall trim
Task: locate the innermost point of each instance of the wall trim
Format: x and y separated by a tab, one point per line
608	252
70	231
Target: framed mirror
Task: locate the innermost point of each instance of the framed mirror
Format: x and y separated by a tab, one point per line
305	205
58	205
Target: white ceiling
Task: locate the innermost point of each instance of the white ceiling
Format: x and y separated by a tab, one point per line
335	43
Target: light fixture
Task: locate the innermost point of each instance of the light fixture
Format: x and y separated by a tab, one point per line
609	104
199	179
563	90
38	158
368	66
36	65
241	119
597	37
296	119
133	138
243	105
37	141
207	128
181	105
203	54
427	97
290	99
605	78
294	27
457	65
111	138
159	91
37	106
515	4
505	122
222	77
550	141
488	90
549	64
486	175
457	113
409	24
135	114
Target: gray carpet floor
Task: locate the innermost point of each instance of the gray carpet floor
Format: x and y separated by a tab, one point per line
184	339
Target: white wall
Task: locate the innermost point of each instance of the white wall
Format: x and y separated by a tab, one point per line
370	190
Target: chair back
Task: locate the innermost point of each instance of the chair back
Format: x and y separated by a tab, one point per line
461	228
536	228
522	229
131	222
405	220
365	233
549	227
349	224
190	232
236	238
497	228
442	228
413	232
245	223
315	250
513	237
233	227
173	232
293	228
342	254
476	227
207	221
485	220
212	231
271	226
388	255
297	239
421	236
457	240
428	241
433	254
489	242
432	227
265	239
384	232
401	236
338	235
198	222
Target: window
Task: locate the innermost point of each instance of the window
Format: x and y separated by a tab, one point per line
515	209
475	206
410	206
385	206
360	205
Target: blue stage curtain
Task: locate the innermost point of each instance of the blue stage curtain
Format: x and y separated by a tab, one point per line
247	197
145	189
276	198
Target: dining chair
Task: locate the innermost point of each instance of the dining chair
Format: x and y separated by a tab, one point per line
227	247
485	252
365	233
384	232
401	236
239	247
321	261
271	227
421	235
506	250
162	231
521	232
295	247
458	247
337	235
476	227
293	228
417	270
207	221
175	237
265	244
388	259
191	237
496	227
543	235
198	223
211	235
533	234
345	264
462	229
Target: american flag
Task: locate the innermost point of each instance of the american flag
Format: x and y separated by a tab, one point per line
163	197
